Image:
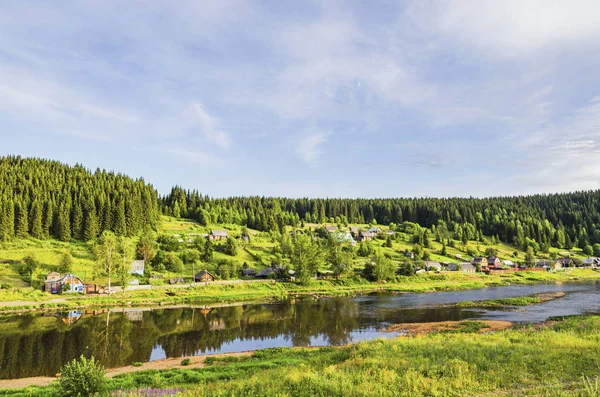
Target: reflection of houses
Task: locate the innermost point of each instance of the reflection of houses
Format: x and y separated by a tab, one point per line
206	310
204	276
71	317
68	283
217	325
134	315
217	235
137	267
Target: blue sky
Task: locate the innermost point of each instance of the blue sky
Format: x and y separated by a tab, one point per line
317	99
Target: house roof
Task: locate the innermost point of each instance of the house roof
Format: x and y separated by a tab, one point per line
266	271
375	229
62	279
248	272
220	233
354	228
467	266
479	259
565	261
590	261
202	273
331	228
508	263
367	234
432	264
493	259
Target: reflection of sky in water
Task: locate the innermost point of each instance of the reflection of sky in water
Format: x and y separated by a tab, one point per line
242	345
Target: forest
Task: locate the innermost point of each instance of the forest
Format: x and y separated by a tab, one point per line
44	198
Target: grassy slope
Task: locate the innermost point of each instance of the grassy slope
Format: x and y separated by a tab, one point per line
559	359
257	254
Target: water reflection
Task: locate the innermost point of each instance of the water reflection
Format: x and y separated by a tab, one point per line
37	345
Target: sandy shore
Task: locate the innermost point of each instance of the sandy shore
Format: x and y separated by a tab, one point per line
425	328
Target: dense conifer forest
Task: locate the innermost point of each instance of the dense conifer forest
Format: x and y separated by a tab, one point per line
43	198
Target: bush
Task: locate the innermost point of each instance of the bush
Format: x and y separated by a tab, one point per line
186	362
82	377
137	364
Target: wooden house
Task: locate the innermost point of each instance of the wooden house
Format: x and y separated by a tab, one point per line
465	267
266	272
482	262
331	229
375	230
204	276
409	254
591	262
354	231
494	262
566	262
56	284
218	235
248	273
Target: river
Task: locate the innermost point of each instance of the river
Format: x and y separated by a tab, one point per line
38	344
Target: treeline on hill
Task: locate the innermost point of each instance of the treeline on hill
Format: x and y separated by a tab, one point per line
558	220
43	198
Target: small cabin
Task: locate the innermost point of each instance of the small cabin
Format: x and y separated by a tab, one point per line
56	284
218	235
204	276
248	272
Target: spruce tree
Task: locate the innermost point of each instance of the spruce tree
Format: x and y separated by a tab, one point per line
22	221
36	228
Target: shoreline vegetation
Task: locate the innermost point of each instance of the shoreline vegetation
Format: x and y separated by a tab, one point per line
12	301
559	358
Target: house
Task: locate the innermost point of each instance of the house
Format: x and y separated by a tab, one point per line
248	273
365	236
137	267
55	284
482	262
204	276
566	262
375	230
466	267
266	272
591	262
508	263
494	262
547	264
409	254
331	229
431	265
217	235
354	230
345	238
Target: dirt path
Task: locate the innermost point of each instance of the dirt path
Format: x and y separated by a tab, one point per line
168	363
32	303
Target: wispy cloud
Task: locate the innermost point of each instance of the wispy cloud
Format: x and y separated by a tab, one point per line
209	127
309	147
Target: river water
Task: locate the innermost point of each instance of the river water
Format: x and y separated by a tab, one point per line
38	344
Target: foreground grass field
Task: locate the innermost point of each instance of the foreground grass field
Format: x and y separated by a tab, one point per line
559	358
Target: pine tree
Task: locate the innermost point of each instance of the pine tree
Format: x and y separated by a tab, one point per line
90	231
22	221
63	223
120	225
77	221
36	228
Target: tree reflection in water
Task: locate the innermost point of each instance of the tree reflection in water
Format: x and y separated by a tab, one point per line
38	345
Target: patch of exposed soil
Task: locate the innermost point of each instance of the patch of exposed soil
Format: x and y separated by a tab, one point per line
426	328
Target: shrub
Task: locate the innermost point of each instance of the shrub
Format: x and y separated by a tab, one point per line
82	377
186	361
137	364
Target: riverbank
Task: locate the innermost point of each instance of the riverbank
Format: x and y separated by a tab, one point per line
268	291
558	358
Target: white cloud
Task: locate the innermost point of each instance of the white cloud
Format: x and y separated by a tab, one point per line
210	129
310	147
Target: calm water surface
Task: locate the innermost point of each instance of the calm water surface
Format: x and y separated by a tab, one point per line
38	345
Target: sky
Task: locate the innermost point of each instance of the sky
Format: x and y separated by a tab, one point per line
309	98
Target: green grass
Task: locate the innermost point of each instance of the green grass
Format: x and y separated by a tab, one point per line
517	301
557	359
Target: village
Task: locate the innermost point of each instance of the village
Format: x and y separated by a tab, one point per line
56	283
